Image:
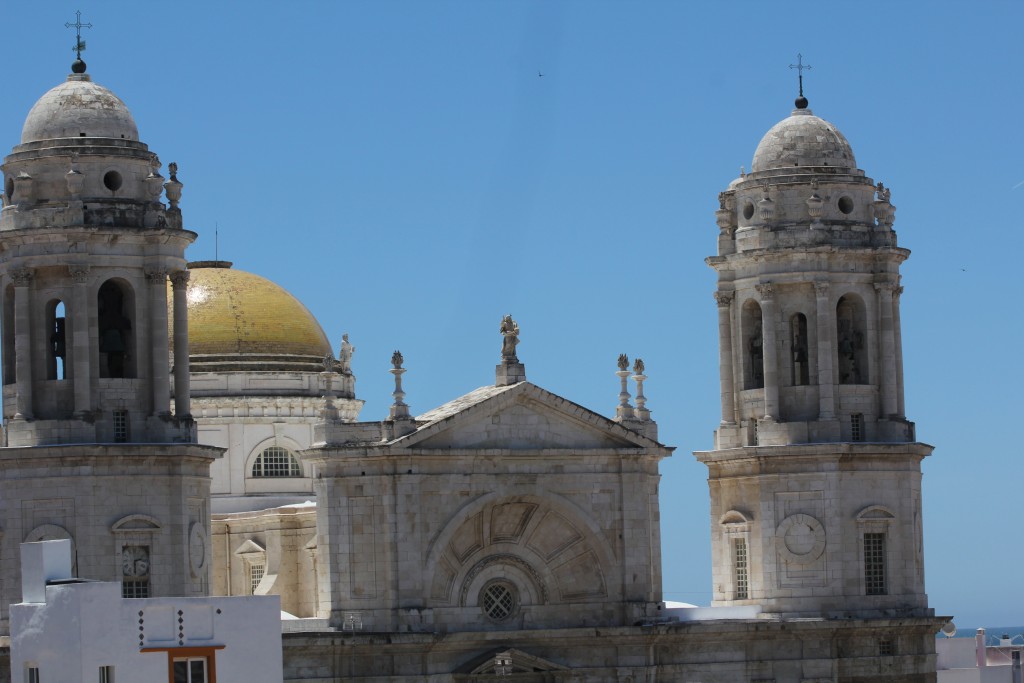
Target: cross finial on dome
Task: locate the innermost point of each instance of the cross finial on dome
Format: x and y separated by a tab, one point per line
801	102
78	66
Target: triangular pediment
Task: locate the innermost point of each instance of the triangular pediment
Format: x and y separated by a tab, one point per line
521	417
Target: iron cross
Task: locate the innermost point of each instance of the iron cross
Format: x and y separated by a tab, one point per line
800	66
79	45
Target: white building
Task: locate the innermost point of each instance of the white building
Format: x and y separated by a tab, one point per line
68	629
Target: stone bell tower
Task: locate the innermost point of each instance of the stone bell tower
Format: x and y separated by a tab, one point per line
815	478
92	451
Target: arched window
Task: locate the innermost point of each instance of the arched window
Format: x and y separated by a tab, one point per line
852	340
753	346
798	344
115	311
276	462
56	355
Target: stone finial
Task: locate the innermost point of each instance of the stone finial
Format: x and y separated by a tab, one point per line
642	413
510	370
624	411
884	211
399	409
766	207
173	186
815	204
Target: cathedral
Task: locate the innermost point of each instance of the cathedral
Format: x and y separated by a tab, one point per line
192	431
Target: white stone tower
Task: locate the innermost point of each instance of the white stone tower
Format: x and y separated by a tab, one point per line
92	451
815	478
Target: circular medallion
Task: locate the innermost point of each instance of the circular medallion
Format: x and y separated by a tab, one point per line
800	539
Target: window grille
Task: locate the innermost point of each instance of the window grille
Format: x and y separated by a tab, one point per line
276	462
106	674
120	426
256	572
874	564
32	674
857	427
739	556
499	601
886	647
135	571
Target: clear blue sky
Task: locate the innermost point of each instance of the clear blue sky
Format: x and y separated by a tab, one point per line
401	168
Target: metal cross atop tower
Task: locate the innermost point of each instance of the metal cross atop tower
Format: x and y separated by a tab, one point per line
800	66
79	43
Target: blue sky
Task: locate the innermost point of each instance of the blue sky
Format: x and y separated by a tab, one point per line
403	170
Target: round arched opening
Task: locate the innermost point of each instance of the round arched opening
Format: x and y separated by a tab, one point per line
748	210
846	205
9	187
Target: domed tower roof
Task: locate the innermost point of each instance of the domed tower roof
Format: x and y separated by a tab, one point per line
238	321
79	108
803	140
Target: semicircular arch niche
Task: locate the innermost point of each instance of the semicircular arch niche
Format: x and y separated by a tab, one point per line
549	551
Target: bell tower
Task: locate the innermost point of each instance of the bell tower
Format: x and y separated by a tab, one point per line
815	477
87	250
93	452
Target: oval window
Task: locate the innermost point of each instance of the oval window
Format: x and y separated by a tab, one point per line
112	181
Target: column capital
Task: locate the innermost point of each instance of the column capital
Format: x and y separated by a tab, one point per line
896	292
821	289
79	274
22	276
766	290
882	287
179	279
724	298
157	276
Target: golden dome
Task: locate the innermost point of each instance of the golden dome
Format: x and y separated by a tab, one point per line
238	321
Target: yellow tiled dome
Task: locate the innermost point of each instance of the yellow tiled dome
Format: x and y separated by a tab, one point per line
240	321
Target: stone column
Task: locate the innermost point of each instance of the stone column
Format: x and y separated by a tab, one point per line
182	388
898	338
725	368
771	351
160	359
81	341
826	381
23	340
888	350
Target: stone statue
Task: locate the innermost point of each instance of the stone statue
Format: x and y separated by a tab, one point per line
172	168
397	360
345	355
638	367
623	362
510	331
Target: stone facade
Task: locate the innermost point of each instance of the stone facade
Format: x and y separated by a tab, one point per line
509	532
508	493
